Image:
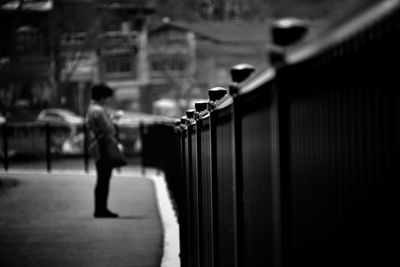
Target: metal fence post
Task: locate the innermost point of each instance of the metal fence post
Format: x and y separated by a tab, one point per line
182	205
239	73
200	192
237	179
5	146
284	33
186	174
48	148
86	148
195	172
190	199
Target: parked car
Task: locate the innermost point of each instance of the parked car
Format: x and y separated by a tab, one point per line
61	116
57	117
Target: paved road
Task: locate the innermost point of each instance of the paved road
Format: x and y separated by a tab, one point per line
46	220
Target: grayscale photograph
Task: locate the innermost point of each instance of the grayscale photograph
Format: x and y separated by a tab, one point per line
199	133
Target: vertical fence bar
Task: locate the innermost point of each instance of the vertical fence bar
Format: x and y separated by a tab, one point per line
214	184
181	133
195	195
238	184
86	148
48	148
190	197
225	187
284	173
5	146
192	203
183	205
276	183
189	205
199	192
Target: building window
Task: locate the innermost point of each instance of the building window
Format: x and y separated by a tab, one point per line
73	38
115	65
168	64
112	25
28	40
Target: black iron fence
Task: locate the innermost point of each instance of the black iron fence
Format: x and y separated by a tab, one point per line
32	143
33	139
298	165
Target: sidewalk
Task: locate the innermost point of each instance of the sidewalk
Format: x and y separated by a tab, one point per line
46	220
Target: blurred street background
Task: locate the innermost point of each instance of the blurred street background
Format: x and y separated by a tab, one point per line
160	57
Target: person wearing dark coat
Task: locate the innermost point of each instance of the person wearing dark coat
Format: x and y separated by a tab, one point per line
101	129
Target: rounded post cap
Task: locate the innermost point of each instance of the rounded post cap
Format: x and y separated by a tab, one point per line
217	93
287	31
190	113
200	106
183	119
241	72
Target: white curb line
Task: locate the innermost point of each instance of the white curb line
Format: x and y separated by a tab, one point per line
170	223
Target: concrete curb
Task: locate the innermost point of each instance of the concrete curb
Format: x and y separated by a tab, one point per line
169	221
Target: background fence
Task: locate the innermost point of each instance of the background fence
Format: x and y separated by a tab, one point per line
23	145
299	168
34	139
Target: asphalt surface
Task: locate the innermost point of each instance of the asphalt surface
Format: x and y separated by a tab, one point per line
47	220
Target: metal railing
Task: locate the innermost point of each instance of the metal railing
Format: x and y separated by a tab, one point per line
298	166
24	144
35	139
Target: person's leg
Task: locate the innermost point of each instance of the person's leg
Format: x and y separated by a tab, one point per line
102	190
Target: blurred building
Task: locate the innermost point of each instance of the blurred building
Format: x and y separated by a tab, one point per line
188	58
52	51
112	50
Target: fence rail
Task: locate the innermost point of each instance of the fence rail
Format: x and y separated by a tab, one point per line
23	142
299	167
37	139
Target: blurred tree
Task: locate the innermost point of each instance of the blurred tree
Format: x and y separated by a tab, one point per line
75	30
23	42
176	9
55	25
249	9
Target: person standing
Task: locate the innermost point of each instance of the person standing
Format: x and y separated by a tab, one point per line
102	130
